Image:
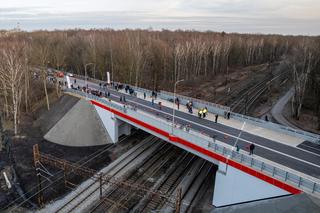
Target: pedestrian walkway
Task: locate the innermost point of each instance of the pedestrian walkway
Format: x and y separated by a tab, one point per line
256	130
211	143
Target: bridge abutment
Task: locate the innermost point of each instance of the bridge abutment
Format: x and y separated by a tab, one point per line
233	186
114	126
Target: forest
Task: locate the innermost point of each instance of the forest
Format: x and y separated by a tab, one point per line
145	58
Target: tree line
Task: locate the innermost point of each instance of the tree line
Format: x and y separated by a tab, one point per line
151	59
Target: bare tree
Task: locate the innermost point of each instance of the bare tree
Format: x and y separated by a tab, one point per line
14	65
302	65
41	53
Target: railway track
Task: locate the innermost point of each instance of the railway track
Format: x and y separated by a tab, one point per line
245	85
89	189
118	199
171	183
247	98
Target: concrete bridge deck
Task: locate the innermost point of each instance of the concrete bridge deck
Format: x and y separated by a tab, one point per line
271	145
272	148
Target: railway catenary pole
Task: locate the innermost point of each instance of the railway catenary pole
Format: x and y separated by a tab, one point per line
178	200
174	102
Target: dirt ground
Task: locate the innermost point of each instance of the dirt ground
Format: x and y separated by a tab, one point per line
307	121
33	127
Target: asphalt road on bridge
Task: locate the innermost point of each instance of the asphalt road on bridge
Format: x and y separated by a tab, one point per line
292	157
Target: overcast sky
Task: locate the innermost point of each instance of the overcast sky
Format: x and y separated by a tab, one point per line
252	16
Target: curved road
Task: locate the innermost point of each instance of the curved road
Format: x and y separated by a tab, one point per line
277	109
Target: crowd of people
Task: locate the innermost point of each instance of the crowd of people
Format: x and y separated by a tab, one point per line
202	112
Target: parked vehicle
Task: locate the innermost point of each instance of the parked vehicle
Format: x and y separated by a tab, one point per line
60	74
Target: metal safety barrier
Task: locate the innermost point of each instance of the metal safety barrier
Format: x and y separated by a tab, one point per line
305	184
220	109
194	100
277	127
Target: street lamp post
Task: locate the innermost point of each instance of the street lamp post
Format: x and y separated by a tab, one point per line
85	78
174	100
235	144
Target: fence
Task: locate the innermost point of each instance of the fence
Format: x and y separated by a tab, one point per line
197	103
277	127
305	184
219	109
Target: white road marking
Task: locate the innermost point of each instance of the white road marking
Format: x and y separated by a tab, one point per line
224	133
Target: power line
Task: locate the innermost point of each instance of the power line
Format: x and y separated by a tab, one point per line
93	156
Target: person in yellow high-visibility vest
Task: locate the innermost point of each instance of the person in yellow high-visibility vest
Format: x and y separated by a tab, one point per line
205	111
200	113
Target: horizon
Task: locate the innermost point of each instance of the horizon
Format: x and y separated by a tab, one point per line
282	17
150	29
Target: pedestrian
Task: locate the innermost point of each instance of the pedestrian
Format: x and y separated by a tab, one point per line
228	115
188	127
160	106
144	95
120	98
205	111
152	101
100	85
108	94
251	148
200	113
237	148
216	118
178	103
266	118
225	114
75	81
124	98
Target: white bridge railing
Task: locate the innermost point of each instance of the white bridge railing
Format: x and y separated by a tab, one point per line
220	109
305	184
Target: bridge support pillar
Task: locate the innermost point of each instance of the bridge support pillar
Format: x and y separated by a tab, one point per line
124	128
114	126
233	186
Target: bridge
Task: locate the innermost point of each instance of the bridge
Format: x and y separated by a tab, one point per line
286	161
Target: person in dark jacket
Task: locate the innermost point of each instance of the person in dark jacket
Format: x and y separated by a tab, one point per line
251	148
216	118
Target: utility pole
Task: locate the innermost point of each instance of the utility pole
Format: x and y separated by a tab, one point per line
174	103
1	133
178	200
100	180
246	105
36	160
